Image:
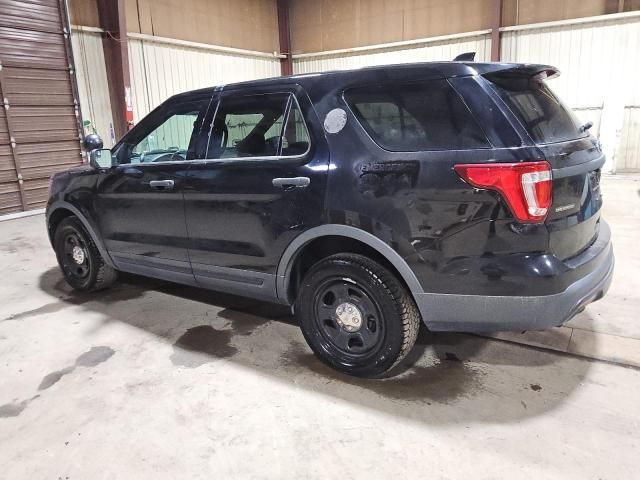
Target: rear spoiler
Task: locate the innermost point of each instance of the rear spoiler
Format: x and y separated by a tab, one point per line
533	71
465	57
504	70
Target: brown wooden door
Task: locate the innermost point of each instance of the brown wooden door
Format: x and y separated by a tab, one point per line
39	129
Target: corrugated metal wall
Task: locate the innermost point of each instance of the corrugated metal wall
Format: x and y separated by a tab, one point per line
600	65
38	125
93	88
160	69
629	150
427	51
598	58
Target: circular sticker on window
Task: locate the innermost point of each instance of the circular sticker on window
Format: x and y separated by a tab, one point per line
335	120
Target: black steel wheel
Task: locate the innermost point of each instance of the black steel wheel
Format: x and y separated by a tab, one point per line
75	259
82	265
348	316
356	315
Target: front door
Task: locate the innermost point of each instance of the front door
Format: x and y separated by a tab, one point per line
261	184
140	203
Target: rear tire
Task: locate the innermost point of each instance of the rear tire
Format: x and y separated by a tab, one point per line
356	315
83	267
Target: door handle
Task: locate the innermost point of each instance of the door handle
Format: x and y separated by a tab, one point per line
161	184
289	183
132	172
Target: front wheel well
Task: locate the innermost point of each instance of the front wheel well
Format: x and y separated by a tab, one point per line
55	218
325	246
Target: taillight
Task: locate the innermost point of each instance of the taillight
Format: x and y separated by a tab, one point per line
525	187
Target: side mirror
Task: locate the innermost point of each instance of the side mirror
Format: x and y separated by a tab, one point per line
102	158
92	142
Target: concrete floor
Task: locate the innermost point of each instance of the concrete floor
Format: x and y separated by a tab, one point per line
154	380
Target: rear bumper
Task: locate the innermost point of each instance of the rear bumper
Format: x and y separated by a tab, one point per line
484	313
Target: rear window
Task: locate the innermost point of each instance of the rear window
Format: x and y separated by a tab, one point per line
418	116
541	112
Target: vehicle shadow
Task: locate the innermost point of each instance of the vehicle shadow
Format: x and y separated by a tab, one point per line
480	379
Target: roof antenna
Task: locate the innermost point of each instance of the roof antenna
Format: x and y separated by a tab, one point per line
465	57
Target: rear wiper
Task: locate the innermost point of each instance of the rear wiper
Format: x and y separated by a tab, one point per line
586	127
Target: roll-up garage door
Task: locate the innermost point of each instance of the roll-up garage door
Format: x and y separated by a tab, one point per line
39	130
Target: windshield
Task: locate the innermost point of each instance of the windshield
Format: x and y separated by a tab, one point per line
541	112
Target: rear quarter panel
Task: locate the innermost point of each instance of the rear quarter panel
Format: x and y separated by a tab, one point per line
443	228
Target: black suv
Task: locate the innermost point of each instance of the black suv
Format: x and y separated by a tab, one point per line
463	194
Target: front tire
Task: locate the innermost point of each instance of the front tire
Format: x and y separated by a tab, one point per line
83	267
356	315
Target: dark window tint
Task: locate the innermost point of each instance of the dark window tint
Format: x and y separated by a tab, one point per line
256	126
418	116
541	112
171	137
295	140
167	134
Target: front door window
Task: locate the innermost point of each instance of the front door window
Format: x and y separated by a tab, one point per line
168	135
168	142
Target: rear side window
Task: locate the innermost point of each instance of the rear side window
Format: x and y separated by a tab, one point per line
417	116
295	138
266	125
542	113
248	126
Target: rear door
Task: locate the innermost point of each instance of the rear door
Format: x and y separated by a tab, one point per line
575	157
262	184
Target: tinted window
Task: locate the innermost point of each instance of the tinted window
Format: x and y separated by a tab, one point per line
418	116
254	126
541	112
295	140
167	136
171	137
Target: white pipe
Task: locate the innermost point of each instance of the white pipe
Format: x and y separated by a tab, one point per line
203	46
574	21
380	46
383	46
184	43
82	28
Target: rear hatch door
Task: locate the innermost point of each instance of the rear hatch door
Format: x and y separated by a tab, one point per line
574	155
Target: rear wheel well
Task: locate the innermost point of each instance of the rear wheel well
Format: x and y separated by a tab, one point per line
325	246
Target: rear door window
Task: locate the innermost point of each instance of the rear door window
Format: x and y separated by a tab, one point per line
265	125
295	138
541	112
428	115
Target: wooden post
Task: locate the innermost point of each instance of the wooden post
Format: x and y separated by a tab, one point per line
116	56
284	35
496	23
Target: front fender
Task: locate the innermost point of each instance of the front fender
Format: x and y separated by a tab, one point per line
61	204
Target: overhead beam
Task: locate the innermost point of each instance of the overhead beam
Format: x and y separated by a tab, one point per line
284	35
116	56
496	23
